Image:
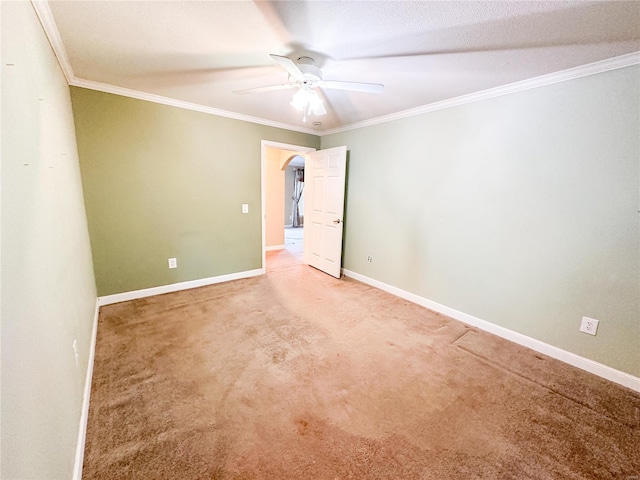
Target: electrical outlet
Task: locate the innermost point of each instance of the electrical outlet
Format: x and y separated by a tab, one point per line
173	263
589	325
245	208
369	259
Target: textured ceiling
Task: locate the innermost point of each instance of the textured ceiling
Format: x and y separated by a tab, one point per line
423	52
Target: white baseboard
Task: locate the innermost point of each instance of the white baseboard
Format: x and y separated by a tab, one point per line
84	416
175	287
604	371
273	247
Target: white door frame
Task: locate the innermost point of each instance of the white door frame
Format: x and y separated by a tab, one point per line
264	144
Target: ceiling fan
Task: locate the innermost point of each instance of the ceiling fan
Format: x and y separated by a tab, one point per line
305	76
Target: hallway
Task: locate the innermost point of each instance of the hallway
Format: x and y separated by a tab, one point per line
293	252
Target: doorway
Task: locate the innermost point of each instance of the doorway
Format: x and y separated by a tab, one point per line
283	223
294	207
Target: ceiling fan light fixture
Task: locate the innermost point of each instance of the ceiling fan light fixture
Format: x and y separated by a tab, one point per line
309	102
300	99
306	77
315	102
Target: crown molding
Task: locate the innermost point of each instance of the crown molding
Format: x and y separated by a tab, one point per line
45	16
601	66
172	102
43	11
53	34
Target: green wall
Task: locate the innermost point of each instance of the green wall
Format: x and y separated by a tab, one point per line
521	210
165	182
47	287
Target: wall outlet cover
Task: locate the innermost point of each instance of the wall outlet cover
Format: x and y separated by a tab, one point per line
589	325
245	208
173	263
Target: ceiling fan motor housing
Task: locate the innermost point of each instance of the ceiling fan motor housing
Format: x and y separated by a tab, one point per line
312	74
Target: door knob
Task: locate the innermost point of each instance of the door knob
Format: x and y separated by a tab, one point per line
337	221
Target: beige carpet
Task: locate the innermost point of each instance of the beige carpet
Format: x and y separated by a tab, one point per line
297	375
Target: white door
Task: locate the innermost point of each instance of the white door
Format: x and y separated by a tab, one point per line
324	173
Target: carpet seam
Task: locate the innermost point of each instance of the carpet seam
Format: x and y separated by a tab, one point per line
463	334
500	367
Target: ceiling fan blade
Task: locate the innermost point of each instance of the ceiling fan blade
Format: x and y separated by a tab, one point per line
354	86
270	88
289	66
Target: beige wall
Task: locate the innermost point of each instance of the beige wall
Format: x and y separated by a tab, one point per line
165	182
521	210
274	200
47	287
